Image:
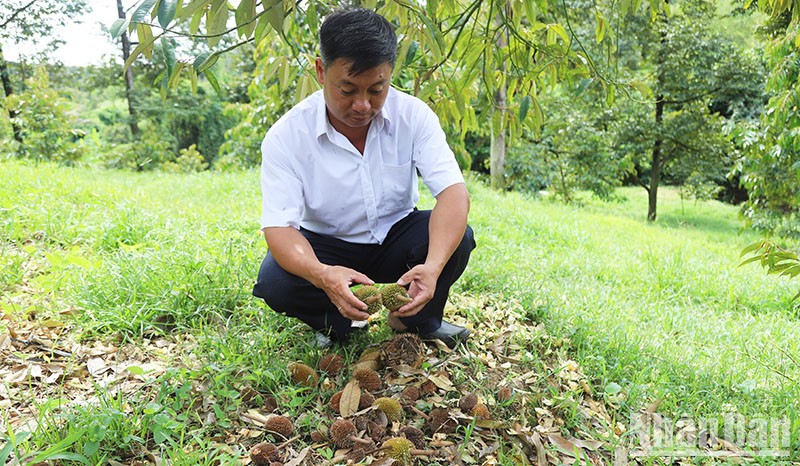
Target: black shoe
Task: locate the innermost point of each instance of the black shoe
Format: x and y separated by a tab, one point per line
450	334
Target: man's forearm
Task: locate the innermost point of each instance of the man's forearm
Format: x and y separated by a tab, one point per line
447	224
294	253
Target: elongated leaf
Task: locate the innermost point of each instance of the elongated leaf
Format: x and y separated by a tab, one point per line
216	21
351	395
600	28
212	79
275	15
176	74
166	12
262	28
142	11
792	271
193	7
748	261
244	16
5	452
311	17
559	29
60	446
194	24
144	46
205	61
751	248
524	106
118	28
411	52
193	76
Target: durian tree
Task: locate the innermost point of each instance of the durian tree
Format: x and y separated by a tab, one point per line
479	64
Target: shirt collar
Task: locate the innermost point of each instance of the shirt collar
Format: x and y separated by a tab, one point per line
381	120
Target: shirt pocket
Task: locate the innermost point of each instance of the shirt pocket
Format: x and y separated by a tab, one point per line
398	186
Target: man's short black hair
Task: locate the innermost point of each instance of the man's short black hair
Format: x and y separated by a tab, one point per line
358	35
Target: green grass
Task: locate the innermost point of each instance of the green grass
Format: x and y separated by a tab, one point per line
660	309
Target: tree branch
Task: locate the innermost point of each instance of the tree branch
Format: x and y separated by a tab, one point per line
17	13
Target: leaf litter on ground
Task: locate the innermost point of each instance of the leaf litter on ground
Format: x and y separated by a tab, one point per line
520	374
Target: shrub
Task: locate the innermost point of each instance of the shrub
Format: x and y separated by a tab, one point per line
48	129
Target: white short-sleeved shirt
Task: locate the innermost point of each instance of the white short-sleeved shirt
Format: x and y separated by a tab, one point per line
312	176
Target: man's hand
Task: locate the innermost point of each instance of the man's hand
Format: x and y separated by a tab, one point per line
421	281
335	281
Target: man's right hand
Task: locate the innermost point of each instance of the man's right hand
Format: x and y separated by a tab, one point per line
294	254
336	281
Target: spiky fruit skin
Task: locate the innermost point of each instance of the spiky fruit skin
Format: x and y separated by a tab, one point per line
440	421
341	432
368	379
331	364
480	411
390	407
370	296
263	454
416	436
410	394
394	296
335	400
399	448
303	374
467	402
366	400
281	425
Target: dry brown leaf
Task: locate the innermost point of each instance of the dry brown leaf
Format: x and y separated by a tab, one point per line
442	382
491	424
351	395
299	458
565	446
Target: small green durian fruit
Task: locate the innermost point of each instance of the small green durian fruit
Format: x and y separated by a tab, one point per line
370	296
394	296
390	407
399	448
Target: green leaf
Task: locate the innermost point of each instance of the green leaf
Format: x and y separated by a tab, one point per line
261	28
194	24
213	81
559	29
5	452
59	448
311	17
118	28
141	12
613	388
624	7
244	16
166	12
216	21
524	106
412	52
193	7
205	61
600	28
176	75
752	259
751	248
275	15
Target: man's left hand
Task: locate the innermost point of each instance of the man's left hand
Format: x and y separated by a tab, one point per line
421	281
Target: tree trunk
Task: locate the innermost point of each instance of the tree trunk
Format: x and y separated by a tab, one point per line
126	52
497	154
655	168
497	150
8	90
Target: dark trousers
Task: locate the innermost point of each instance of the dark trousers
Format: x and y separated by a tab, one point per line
405	246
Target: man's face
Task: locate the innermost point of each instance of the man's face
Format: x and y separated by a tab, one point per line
353	100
